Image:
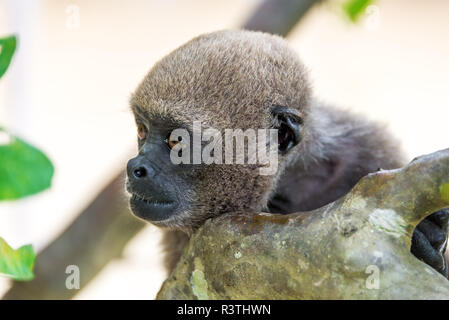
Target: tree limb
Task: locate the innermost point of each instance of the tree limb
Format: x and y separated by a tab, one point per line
278	16
336	252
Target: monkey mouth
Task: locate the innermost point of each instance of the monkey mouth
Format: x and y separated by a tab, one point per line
151	201
151	209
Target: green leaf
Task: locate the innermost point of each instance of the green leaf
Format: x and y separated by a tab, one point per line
24	170
7	48
17	264
354	8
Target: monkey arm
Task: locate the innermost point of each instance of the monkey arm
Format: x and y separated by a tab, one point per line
429	241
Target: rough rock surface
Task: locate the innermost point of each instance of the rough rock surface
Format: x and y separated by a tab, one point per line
355	248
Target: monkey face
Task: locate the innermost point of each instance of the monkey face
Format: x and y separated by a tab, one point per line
158	188
183	194
225	80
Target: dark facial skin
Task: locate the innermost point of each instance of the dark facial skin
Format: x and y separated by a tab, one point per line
154	182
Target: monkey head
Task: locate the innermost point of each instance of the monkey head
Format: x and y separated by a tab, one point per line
222	80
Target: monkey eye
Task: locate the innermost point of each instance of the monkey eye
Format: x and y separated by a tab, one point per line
141	131
171	142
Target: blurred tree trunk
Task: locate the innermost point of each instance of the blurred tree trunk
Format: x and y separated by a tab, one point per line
103	229
278	16
96	237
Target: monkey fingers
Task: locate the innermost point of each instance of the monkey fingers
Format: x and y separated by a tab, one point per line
436	235
423	249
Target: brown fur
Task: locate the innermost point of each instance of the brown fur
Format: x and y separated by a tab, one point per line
230	79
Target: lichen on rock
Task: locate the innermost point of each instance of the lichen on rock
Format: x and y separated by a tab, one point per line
357	247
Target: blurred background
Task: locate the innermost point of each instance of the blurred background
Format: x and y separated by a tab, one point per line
77	62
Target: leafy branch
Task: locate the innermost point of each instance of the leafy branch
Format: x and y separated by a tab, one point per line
24	170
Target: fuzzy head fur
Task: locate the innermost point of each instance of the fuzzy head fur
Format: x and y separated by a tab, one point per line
226	79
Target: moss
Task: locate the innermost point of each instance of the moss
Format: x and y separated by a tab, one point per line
388	221
199	285
444	191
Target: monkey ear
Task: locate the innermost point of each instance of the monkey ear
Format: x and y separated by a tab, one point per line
289	124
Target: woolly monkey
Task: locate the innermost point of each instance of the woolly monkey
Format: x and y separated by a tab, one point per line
252	80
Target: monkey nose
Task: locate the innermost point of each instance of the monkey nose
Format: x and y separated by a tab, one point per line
140	172
140	168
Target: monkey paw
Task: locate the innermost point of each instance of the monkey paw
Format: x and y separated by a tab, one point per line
430	239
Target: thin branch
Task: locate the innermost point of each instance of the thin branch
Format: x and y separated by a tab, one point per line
278	16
